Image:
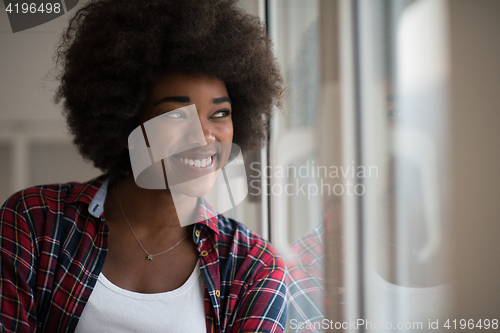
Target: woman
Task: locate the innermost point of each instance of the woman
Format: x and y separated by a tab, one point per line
108	255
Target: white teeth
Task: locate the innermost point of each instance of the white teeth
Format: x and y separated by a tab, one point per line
198	163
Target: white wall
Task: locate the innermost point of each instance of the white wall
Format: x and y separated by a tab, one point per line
34	145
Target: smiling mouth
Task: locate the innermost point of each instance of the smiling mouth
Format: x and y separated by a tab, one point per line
197	162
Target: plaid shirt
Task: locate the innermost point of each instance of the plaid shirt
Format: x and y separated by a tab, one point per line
54	241
308	303
306	295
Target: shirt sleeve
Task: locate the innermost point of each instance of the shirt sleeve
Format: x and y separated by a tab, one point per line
306	294
306	298
18	276
263	306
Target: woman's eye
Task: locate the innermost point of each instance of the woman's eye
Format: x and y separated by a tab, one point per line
175	114
221	114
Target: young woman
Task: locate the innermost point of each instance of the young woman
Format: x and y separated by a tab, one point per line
110	256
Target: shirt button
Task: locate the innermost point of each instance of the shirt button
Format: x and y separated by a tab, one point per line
197	233
204	253
217	293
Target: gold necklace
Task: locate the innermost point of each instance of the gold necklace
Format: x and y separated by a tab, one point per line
148	255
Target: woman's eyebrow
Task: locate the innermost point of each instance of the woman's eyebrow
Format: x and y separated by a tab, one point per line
178	99
220	100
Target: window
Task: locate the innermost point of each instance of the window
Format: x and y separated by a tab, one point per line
357	180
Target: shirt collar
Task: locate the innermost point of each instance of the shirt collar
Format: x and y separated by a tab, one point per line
207	215
94	194
85	192
96	206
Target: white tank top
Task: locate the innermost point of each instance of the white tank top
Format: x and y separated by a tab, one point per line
113	309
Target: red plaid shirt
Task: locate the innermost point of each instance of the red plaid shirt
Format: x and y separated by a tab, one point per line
305	276
53	249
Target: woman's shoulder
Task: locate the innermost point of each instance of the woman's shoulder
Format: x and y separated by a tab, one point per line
47	195
34	206
234	231
239	240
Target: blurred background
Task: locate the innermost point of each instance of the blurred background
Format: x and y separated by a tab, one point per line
380	180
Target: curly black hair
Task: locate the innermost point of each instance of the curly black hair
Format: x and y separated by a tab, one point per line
114	50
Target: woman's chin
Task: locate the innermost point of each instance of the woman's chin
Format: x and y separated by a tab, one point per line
197	187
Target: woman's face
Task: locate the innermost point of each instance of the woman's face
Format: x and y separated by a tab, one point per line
194	142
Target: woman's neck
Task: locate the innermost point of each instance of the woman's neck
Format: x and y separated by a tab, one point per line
152	209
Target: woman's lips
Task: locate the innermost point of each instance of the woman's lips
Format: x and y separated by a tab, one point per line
185	169
197	162
201	163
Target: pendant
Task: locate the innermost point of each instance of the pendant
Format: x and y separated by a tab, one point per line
149	257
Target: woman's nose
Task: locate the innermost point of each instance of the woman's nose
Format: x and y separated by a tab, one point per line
208	133
200	133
